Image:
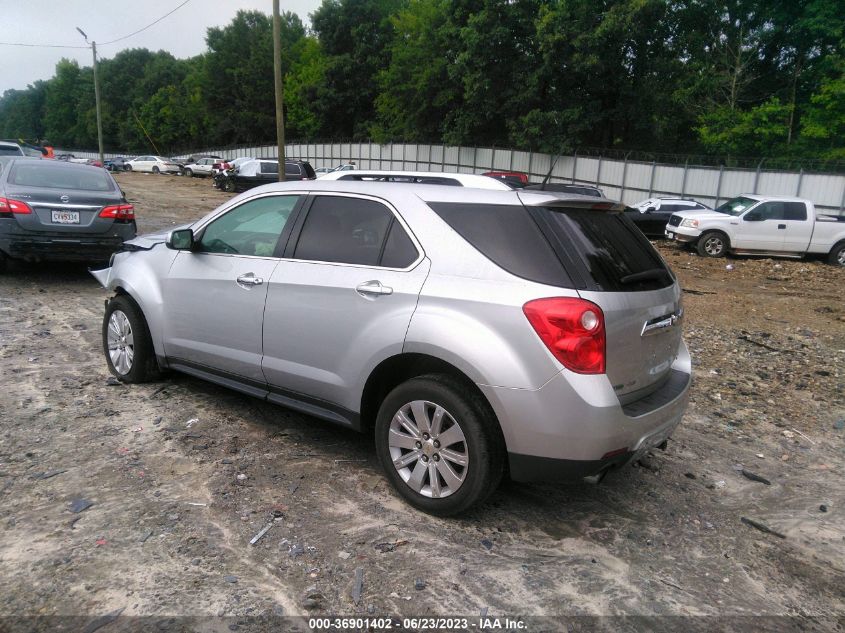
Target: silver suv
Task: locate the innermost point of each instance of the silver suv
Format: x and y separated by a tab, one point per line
474	332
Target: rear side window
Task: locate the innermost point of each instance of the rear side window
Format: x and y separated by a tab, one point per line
399	250
603	249
509	237
52	176
344	230
269	168
292	170
309	170
794	211
10	150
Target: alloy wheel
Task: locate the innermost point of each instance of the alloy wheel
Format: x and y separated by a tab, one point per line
428	449
714	246
121	342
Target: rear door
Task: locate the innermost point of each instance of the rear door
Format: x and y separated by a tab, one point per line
64	198
613	265
341	300
799	227
214	296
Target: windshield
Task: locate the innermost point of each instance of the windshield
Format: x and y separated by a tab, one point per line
736	206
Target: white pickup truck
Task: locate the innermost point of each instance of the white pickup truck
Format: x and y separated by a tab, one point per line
761	225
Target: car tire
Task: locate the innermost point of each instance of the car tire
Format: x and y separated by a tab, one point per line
713	244
127	343
156	170
189	173
127	167
837	255
3	262
229	185
406	422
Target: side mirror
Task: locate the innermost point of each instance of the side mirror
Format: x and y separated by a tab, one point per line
181	240
651	210
753	216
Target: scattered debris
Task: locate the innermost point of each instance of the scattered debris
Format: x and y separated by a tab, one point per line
313	598
755	477
804	436
760	456
358	586
671	584
262	532
49	474
296	550
689	475
745	337
344	555
419	584
101	541
729	267
822	508
763	528
230	579
111	381
389	547
78	505
145	536
191	422
487	543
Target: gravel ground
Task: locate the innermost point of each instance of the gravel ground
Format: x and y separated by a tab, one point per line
181	474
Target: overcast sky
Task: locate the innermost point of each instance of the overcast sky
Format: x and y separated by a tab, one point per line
54	22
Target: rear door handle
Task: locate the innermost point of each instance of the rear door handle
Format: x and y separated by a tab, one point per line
373	288
249	279
781	226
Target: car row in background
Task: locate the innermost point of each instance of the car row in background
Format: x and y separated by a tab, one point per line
154	164
58	210
261	171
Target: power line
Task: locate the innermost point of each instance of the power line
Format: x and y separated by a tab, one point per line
40	45
119	39
146	27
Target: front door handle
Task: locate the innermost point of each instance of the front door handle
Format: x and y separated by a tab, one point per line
373	288
781	226
249	279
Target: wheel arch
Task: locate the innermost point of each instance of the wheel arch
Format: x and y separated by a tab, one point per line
393	371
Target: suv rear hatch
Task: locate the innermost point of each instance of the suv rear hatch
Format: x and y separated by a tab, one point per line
611	263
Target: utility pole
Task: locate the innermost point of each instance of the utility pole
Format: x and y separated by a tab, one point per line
96	96
277	76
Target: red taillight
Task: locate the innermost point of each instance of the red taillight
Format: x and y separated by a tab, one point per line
9	206
119	212
572	329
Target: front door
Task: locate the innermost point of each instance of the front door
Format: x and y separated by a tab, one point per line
214	295
342	301
764	231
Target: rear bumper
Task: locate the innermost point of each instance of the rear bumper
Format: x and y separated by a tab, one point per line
574	426
64	247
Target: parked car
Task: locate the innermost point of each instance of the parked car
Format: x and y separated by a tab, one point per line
322	170
200	167
220	165
562	187
516	179
8	148
468	328
154	164
253	173
652	215
118	163
419	177
761	225
51	210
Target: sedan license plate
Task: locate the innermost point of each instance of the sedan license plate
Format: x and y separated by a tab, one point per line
65	217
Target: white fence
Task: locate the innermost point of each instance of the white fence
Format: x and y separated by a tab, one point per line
626	180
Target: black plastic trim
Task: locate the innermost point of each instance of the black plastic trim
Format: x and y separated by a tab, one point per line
677	383
530	468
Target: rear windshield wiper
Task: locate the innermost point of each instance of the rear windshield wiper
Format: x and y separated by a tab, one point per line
646	275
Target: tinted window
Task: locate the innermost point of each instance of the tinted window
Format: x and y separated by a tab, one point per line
269	168
292	169
10	150
252	228
309	170
53	176
606	249
506	235
346	230
794	211
399	250
769	211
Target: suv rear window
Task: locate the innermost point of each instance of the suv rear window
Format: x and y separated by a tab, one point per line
590	249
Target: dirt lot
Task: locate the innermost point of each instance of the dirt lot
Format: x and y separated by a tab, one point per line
182	474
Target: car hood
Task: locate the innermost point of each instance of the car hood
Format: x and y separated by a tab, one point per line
148	240
701	215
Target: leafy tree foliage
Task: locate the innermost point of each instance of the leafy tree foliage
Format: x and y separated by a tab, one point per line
727	77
